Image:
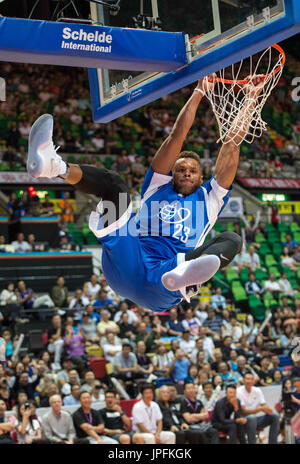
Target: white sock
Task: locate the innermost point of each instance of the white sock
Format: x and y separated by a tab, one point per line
196	271
63	170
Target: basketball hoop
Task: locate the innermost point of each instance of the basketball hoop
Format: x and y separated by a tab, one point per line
229	95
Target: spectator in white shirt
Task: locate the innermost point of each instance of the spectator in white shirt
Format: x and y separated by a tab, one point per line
78	303
253	403
271	286
218	301
285	286
111	347
20	245
8	295
241	261
234	330
187	344
200	312
147	419
288	261
132	318
93	287
254	259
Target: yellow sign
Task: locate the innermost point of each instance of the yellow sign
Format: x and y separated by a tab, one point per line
289	207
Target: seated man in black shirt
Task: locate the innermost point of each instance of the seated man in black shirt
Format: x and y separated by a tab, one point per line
173	421
116	423
264	373
89	423
227	416
197	417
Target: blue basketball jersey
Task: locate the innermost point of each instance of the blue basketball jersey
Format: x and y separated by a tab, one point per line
169	222
139	249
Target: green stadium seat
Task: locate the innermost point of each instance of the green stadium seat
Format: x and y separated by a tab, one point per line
259	312
244	276
231	275
269	300
294	227
283	227
277	249
297	295
273	237
261	275
239	294
264	249
270	261
259	238
270	227
295	284
296	236
91	239
274	270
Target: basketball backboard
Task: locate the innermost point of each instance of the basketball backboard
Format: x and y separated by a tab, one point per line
218	34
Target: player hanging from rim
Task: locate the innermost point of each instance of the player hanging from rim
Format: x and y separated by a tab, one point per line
157	257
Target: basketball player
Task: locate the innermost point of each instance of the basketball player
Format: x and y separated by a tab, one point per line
157	257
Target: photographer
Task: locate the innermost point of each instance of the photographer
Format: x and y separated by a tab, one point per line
296	396
28	427
290	401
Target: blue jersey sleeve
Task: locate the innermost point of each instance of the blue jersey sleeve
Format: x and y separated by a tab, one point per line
153	181
216	198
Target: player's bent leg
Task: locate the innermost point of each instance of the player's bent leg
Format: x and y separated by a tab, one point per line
202	263
43	161
192	272
225	246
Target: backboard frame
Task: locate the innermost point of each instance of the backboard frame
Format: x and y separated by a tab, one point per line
246	43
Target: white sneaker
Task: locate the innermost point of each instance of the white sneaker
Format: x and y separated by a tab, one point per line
43	161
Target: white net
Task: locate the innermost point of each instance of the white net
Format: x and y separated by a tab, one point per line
233	108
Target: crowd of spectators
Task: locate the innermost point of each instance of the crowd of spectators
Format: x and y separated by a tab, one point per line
207	363
128	144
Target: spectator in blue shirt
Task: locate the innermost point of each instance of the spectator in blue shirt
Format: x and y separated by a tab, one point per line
102	301
174	326
94	316
218	301
69	400
179	367
289	243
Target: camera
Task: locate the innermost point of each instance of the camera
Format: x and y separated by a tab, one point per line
288	406
26	406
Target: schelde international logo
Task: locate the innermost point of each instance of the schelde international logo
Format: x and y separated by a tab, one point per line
87	41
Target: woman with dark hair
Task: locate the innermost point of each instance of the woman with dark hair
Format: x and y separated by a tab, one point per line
287	338
277	329
173	348
27	426
192	374
277	377
45	356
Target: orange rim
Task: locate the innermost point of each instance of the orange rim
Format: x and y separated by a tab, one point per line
275	71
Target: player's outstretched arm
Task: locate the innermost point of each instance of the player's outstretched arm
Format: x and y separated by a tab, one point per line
228	158
169	151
